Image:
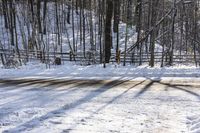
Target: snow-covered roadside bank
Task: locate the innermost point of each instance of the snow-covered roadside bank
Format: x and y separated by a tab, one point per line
72	71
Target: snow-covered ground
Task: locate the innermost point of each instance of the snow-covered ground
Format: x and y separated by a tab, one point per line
72	70
89	99
99	106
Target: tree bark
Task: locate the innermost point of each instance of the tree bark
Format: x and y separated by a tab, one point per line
108	33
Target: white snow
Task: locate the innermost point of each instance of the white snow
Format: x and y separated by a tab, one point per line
89	99
112	71
77	106
116	99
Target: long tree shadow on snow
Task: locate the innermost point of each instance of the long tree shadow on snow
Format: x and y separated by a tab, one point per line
144	89
35	122
103	107
27	95
179	87
39	82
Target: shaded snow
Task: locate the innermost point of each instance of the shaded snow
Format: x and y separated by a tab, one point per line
113	99
77	106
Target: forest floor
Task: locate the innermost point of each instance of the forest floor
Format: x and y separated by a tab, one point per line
99	106
76	99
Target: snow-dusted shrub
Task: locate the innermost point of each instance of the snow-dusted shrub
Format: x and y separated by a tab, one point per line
12	63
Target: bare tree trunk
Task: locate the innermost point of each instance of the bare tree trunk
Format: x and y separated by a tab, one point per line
154	4
108	33
172	34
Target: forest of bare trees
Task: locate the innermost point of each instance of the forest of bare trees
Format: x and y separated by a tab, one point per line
163	32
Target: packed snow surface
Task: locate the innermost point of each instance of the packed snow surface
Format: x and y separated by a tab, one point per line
92	99
99	106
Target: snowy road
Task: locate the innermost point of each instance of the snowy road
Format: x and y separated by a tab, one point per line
98	106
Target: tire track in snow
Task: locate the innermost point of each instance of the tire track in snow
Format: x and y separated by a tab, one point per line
194	123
